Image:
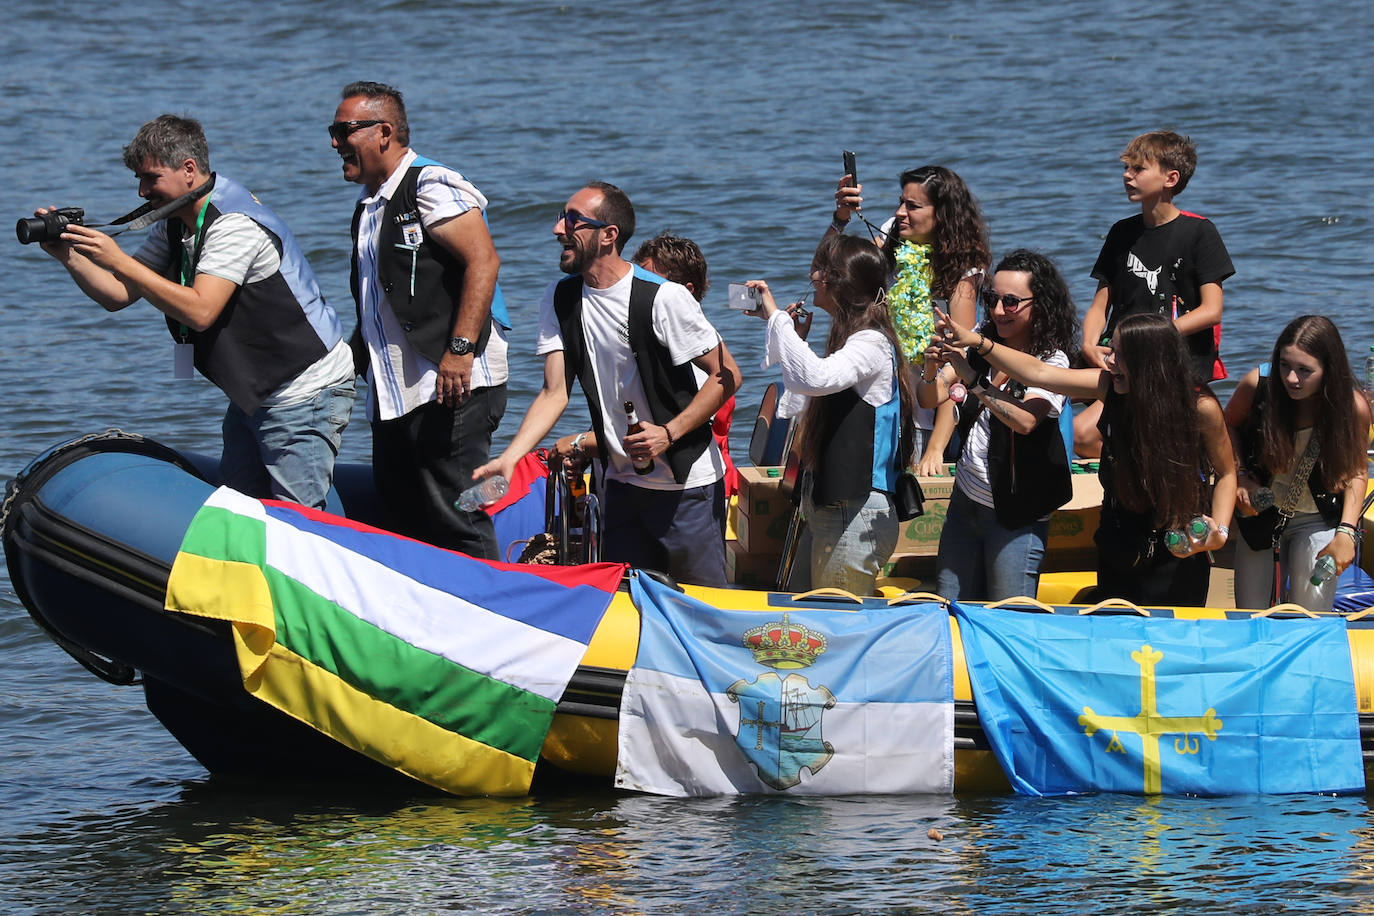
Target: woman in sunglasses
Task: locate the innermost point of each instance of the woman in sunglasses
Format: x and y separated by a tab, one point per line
1013	470
1301	428
1164	448
856	431
936	246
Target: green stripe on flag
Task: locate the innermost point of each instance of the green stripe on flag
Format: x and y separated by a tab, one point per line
219	534
415	680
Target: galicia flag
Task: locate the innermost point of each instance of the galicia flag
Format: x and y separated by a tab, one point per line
1130	704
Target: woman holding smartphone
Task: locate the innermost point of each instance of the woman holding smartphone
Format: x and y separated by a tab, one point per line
936	246
1013	470
1166	456
856	427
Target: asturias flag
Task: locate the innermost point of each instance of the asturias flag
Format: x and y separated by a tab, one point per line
795	700
1129	704
444	667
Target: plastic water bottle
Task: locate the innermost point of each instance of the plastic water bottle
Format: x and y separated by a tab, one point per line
484	493
1181	540
1324	571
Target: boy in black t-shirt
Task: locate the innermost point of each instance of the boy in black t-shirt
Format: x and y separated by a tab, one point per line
1165	260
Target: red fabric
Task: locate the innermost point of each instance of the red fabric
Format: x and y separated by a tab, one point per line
720	431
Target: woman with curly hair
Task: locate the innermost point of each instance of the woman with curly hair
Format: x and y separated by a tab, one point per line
1013	470
1299	415
937	249
1164	447
856	429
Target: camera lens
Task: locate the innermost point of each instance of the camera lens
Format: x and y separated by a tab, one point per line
30	230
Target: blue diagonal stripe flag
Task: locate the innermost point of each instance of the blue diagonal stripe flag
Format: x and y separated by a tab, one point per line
1129	704
802	701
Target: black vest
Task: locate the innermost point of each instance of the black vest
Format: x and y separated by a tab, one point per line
668	388
423	284
1029	474
260	341
845	463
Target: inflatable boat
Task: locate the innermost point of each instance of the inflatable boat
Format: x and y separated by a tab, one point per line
91	530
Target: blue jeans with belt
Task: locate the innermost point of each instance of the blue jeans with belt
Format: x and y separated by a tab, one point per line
982	561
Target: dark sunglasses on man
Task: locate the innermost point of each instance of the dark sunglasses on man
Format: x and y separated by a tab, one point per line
572	221
341	129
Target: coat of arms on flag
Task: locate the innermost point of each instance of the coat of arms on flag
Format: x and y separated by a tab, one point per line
806	701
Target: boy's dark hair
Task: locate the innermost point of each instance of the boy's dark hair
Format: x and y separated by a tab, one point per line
386	101
615	209
678	259
169	141
1173	152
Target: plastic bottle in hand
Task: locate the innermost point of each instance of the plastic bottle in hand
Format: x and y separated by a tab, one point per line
1324	571
486	492
633	426
1182	540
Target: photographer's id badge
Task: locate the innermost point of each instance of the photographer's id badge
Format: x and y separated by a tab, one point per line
412	235
183	361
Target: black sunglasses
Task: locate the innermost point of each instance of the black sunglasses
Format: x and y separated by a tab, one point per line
571	220
1010	304
340	129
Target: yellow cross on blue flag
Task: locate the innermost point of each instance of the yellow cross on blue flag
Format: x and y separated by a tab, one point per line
1149	706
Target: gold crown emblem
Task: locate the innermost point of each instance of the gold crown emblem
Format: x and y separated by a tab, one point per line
782	644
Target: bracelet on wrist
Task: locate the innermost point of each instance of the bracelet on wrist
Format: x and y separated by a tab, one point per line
1225	530
838	224
669	433
1349	533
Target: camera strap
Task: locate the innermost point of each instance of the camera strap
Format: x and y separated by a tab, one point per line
146	215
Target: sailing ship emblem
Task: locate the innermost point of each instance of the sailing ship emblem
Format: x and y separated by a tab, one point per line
780	715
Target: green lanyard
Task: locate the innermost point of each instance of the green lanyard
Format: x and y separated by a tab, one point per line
187	267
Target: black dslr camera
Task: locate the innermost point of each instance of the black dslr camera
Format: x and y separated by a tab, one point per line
49	226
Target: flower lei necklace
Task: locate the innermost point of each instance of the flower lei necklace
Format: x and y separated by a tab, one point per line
909	300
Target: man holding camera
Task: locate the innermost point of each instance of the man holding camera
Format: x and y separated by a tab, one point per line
431	322
242	304
631	337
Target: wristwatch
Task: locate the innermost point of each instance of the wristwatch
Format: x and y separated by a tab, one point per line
460	346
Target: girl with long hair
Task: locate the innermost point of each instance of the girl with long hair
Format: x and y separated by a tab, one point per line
1300	428
1013	470
936	246
1164	446
856	428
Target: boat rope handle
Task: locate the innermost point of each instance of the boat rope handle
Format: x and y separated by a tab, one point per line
917	596
1025	601
1114	603
1287	607
829	592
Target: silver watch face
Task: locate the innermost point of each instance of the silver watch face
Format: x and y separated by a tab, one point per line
460	346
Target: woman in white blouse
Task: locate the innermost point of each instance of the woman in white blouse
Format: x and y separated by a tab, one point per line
856	431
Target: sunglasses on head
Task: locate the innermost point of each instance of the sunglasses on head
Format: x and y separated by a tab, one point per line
572	221
340	129
1010	304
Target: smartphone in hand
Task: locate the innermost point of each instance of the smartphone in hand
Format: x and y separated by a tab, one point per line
744	298
851	169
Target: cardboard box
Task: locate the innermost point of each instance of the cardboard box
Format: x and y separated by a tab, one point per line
921	536
762	493
1072	525
762	534
754	570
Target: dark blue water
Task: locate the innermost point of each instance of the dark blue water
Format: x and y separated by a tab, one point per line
724	122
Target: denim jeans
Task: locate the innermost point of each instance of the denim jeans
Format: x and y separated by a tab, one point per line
287	451
846	543
1303	537
982	561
